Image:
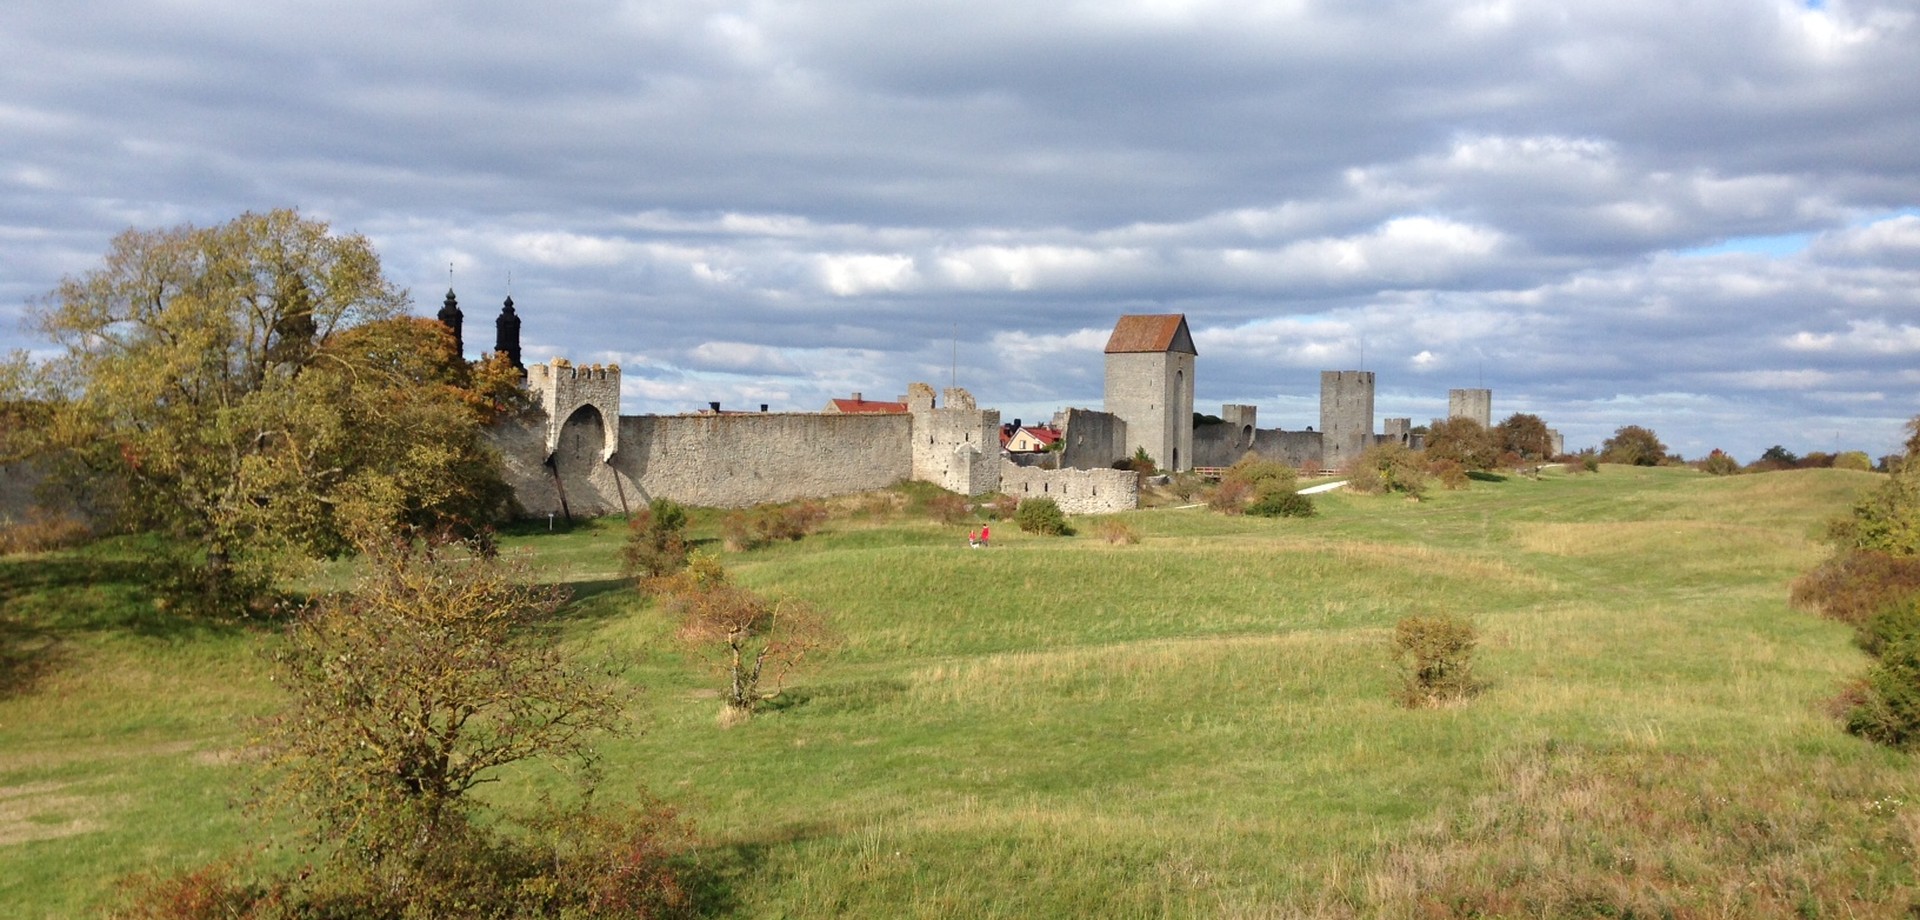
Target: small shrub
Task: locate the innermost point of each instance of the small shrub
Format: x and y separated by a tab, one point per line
1856	584
210	892
1891	625
1042	516
1434	658
737	533
1887	710
1116	531
656	540
1720	463
1282	504
1385	468
1231	497
751	528
1453	477
40	531
1185	486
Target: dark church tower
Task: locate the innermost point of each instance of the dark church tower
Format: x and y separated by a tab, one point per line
507	335
450	317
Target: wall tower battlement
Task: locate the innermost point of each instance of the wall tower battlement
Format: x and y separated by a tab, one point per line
564	390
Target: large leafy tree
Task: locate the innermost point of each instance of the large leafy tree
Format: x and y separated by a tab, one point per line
1524	435
1634	446
253	390
1463	441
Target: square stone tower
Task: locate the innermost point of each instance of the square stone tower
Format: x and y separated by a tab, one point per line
1150	361
1473	404
1346	416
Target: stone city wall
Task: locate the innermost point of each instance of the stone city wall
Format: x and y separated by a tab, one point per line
1075	491
724	461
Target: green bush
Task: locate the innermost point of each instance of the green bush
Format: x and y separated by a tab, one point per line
1434	658
1719	463
656	540
1282	504
1042	516
1385	468
1890	626
1886	706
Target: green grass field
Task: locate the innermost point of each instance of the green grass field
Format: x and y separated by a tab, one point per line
1197	725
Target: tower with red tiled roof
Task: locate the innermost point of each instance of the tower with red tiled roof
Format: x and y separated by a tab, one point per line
1150	362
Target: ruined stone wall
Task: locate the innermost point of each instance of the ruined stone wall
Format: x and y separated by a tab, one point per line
1093	440
956	447
1473	404
722	461
1075	491
1346	416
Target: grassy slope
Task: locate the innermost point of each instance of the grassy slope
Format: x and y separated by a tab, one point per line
1195	725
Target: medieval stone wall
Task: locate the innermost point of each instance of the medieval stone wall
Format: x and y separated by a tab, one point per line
1075	491
1302	450
956	447
1091	440
724	461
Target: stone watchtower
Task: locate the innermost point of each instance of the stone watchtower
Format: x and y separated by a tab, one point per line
1150	362
1473	404
1346	416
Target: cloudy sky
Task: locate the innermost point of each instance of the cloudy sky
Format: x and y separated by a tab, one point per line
1702	217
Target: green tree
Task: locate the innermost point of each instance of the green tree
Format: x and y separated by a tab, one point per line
1633	445
252	390
1463	441
1525	436
410	692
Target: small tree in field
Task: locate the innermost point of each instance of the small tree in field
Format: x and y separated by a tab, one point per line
754	640
1434	657
408	694
656	540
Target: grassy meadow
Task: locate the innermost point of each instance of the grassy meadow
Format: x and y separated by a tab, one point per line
1197	725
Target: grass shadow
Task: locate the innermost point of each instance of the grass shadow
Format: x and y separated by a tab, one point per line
716	874
1484	476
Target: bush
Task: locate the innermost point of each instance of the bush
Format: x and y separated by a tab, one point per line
751	528
656	540
1452	476
1116	531
1887	709
40	531
1385	468
1282	504
1854	585
1042	516
1231	497
1434	658
1719	463
1890	626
